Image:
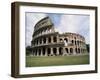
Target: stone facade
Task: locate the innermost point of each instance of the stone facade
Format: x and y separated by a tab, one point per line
47	42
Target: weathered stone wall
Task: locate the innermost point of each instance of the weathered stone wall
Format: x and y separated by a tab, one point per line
47	42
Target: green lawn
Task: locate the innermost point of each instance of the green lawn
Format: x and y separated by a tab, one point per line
33	61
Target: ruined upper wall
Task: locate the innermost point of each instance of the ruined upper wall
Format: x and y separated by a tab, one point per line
43	23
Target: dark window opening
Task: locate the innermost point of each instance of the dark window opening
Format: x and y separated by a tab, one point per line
72	41
71	50
49	51
43	51
54	51
66	50
49	40
39	51
61	40
60	51
44	40
66	39
76	50
54	39
37	42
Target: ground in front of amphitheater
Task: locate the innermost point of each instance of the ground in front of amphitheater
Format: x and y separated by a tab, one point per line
38	61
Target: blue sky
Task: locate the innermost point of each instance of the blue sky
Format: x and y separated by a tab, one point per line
62	23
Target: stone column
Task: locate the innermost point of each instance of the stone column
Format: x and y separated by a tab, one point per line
45	51
57	39
74	52
51	39
38	41
51	51
42	41
41	52
64	52
57	51
46	40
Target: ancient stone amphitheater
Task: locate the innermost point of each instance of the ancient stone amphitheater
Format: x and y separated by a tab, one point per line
47	42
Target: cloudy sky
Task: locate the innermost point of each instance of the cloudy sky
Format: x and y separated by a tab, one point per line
62	23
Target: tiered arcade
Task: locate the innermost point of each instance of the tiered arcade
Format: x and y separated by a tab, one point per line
47	42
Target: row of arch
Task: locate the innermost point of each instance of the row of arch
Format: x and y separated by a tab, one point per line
42	32
75	42
57	51
74	36
54	39
40	24
45	40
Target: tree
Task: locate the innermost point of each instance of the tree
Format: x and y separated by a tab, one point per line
28	50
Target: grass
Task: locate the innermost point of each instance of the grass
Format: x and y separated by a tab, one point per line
33	61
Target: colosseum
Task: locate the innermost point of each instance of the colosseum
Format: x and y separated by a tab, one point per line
48	42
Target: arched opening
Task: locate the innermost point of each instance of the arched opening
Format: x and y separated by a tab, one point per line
71	50
61	40
60	51
49	51
54	51
36	52
54	39
66	40
39	51
49	39
44	40
40	41
66	50
72	41
37	42
43	51
78	50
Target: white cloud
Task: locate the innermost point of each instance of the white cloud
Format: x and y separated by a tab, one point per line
68	23
75	24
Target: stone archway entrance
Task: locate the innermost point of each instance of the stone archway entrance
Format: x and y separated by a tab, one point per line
43	51
49	51
71	50
55	51
60	51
